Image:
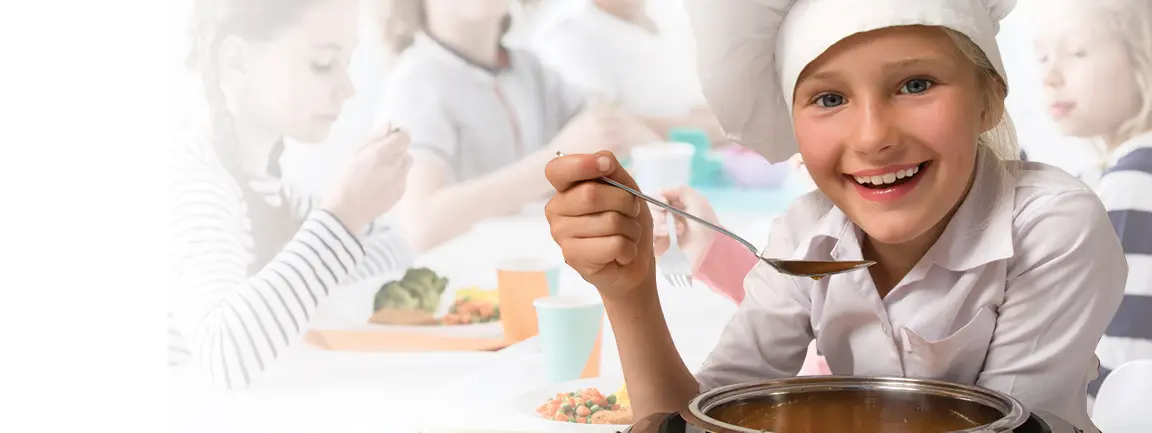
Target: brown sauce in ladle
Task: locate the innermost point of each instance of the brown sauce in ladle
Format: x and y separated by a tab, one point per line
820	269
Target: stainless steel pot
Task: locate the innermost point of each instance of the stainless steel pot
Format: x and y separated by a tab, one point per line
854	404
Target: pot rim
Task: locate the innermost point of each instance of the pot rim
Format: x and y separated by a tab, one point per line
1014	412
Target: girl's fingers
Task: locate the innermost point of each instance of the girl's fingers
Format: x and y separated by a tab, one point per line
591	255
605	224
593	197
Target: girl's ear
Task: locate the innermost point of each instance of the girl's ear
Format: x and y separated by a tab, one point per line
993	104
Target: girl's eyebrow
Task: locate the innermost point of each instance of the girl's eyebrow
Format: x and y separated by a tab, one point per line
887	67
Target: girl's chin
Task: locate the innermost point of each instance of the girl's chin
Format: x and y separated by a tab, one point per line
892	229
312	135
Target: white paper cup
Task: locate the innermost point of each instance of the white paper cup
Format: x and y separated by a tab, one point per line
659	166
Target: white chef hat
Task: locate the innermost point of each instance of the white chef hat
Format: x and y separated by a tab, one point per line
751	52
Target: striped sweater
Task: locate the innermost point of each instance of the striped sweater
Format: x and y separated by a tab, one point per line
1126	190
234	322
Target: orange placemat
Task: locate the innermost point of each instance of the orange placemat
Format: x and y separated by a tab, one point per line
390	341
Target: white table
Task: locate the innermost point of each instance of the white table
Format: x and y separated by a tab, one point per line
311	390
485	400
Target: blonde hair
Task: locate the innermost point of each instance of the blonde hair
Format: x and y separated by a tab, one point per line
1001	139
1131	20
401	20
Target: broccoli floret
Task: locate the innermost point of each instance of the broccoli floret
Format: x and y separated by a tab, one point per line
420	288
394	295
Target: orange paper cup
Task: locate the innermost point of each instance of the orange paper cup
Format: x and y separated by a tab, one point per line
519	283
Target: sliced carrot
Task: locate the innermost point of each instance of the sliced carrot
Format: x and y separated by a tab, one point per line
582	420
560	417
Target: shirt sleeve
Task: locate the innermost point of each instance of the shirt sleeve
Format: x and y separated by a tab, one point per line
385	249
769	334
563	101
233	324
1129	335
725	266
411	103
1064	285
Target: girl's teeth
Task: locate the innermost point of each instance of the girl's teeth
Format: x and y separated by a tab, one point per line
887	178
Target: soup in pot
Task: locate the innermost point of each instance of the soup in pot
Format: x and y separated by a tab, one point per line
855	411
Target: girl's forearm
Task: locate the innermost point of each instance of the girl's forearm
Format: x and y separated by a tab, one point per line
658	381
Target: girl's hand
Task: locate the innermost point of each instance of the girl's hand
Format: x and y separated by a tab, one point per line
694	239
604	232
372	182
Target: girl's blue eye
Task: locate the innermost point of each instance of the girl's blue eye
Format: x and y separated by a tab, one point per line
915	86
829	100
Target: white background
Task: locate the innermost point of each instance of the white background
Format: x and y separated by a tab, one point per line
82	120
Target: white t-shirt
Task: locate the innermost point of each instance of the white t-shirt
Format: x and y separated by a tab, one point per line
649	74
474	119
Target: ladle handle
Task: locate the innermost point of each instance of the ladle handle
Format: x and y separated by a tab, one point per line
677	211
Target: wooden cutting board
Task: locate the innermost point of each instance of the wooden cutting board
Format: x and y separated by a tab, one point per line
393	316
395	341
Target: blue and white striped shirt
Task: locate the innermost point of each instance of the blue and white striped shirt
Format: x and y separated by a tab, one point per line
1126	190
229	319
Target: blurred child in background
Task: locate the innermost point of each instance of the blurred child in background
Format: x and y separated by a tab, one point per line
1096	58
483	117
253	259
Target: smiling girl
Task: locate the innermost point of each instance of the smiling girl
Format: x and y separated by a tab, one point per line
1097	63
992	272
252	258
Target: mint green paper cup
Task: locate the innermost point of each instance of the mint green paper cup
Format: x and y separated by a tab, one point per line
570	336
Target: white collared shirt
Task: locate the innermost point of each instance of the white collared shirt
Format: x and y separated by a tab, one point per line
1012	297
648	73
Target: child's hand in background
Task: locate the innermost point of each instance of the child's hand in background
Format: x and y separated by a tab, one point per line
692	238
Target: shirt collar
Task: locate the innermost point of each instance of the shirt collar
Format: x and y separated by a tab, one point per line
428	43
980	231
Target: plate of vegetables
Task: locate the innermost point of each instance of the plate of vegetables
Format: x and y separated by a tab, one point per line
418	302
601	404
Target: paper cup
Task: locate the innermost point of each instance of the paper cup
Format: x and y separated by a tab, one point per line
519	282
571	328
659	166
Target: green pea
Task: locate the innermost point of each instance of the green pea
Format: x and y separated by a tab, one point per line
596	408
612	399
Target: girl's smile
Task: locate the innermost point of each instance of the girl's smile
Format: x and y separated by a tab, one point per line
889	183
888	123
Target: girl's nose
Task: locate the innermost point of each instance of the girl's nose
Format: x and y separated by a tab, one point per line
875	132
1053	76
345	89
